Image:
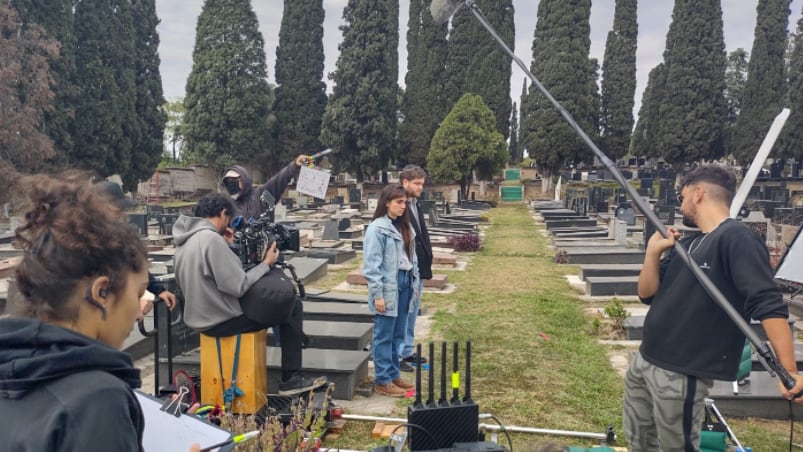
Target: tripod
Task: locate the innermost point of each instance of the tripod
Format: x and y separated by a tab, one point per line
709	425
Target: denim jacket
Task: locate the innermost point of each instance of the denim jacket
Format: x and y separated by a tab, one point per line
383	246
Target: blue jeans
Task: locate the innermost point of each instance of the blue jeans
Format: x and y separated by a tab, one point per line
389	335
409	337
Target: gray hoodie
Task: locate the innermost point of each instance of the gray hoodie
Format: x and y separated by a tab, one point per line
209	274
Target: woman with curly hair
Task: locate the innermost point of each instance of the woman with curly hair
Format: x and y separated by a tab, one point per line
64	383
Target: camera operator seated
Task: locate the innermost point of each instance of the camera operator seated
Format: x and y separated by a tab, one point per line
249	201
222	299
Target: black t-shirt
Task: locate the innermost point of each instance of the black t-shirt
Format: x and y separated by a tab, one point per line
685	330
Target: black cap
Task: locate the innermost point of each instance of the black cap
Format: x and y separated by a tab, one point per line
115	194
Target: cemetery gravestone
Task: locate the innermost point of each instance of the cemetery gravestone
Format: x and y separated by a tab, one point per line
280	212
626	214
330	231
666	214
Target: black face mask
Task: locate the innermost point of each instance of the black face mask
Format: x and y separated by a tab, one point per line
232	185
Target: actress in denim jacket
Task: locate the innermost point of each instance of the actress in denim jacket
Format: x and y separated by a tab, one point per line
391	268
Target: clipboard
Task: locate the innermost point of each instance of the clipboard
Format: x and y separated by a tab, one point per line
165	432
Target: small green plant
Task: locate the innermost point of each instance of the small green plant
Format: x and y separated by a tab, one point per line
617	313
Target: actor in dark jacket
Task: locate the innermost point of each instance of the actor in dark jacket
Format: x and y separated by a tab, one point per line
237	183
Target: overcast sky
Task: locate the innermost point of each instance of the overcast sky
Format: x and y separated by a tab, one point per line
178	20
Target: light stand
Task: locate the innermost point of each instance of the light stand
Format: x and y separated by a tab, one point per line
442	7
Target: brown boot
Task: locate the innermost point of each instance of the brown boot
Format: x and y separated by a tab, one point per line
403	384
389	390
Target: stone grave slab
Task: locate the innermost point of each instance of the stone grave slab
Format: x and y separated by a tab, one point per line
593	233
578	222
6	237
356	278
350	233
324	244
334	311
609	270
444	259
308	268
759	397
334	296
330	230
8	251
608	255
345	368
334	335
333	256
611	285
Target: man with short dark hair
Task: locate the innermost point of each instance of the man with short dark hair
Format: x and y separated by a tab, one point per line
688	339
222	299
412	178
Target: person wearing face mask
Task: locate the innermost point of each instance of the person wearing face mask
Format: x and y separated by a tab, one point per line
238	184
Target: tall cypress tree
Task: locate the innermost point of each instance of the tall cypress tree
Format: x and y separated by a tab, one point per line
476	63
619	80
644	138
148	150
561	63
735	81
300	94
791	140
227	97
106	124
693	105
361	118
514	150
424	104
766	83
56	17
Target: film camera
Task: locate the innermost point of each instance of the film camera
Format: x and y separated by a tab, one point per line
253	237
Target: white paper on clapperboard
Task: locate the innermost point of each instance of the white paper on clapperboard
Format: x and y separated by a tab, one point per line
166	432
313	182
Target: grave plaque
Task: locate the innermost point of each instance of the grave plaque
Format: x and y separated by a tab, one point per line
140	222
626	213
372	203
775	170
338	200
280	212
343	224
602	207
646	182
330	231
666	214
166	222
355	195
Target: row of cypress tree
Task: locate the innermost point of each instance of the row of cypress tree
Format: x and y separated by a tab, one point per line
107	89
107	110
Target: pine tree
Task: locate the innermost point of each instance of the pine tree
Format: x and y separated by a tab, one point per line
791	139
467	141
361	118
300	94
735	80
106	124
227	101
693	105
148	150
25	90
514	150
476	63
619	80
561	63
766	84
424	104
644	141
56	17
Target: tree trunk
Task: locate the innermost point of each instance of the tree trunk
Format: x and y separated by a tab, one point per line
546	179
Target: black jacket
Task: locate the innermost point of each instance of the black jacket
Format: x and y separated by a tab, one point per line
248	203
62	391
685	331
423	247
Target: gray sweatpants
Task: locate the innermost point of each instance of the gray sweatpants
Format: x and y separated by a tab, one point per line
663	410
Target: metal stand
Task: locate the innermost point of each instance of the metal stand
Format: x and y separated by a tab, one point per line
711	408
